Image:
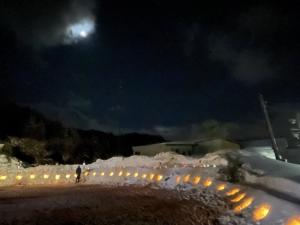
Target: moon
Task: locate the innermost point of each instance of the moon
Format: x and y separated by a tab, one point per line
80	30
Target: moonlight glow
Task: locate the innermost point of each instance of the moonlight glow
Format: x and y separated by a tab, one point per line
80	30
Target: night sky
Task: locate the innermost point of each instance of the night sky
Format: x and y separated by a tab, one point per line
163	67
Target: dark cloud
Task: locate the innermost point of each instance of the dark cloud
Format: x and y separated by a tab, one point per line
44	23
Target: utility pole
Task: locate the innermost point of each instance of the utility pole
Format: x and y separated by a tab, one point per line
269	126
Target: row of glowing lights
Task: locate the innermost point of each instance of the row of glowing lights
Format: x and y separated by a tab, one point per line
68	176
259	213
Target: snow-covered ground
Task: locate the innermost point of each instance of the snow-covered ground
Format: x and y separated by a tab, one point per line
259	190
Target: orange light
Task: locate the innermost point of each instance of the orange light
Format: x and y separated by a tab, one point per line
19	177
151	176
186	178
197	179
245	204
111	174
120	173
3	177
159	177
233	191
294	221
68	176
46	176
239	197
207	182
178	178
221	187
261	212
136	174
32	176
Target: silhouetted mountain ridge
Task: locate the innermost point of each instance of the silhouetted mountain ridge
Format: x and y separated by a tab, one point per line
33	138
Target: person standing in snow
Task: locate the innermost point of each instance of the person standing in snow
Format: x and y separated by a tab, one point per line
78	173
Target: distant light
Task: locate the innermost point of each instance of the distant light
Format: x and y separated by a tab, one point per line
46	176
94	173
144	175
294	221
3	177
57	177
261	212
245	204
79	30
102	174
128	174
207	182
186	178
68	176
221	187
111	174
233	192
136	174
159	177
32	176
83	34
120	173
151	176
239	197
197	180
19	177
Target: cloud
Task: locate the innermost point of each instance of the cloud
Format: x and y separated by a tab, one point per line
248	65
45	23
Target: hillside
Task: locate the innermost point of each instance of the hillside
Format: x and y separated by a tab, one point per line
34	139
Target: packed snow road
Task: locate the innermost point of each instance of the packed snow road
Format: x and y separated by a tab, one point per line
95	204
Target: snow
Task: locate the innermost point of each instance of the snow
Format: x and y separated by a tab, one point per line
263	179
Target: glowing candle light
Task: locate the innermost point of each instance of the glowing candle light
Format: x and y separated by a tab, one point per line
186	178
120	173
233	191
197	179
159	177
32	176
207	182
128	174
221	187
57	177
151	176
245	204
294	221
261	212
238	198
111	174
3	177
46	176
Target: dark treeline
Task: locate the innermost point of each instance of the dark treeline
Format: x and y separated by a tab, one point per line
32	138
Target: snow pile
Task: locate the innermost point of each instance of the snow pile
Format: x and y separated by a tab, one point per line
8	163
